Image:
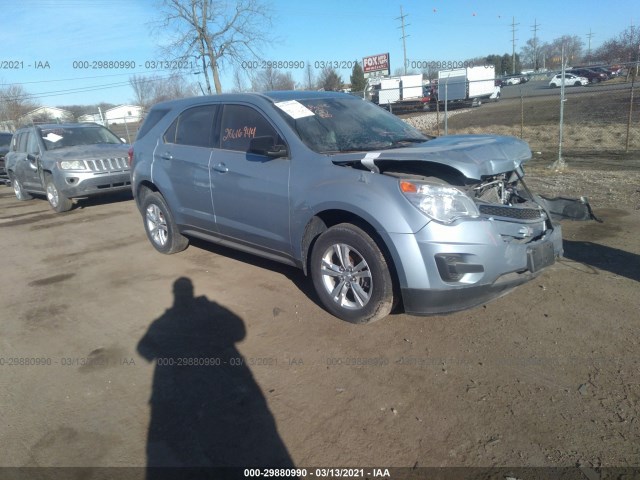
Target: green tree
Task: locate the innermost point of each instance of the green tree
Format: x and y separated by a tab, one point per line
358	81
329	80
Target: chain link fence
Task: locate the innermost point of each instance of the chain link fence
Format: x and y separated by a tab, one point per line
597	119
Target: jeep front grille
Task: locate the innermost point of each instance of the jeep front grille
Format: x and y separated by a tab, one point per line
108	164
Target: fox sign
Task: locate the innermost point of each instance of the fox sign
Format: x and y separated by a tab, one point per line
376	63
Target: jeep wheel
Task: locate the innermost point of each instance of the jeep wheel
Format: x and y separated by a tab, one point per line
21	194
160	226
351	276
57	200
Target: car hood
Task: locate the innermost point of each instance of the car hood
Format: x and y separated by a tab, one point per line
87	152
475	156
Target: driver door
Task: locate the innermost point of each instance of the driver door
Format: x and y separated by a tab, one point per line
250	191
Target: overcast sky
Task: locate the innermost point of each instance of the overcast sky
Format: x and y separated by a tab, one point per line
43	38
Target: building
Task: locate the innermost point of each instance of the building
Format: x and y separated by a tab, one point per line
123	114
46	114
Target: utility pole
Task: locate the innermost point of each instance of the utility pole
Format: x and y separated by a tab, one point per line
534	27
513	41
589	35
404	44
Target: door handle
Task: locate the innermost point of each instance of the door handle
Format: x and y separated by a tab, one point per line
166	156
221	167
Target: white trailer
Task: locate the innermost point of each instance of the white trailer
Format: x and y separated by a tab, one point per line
470	85
404	92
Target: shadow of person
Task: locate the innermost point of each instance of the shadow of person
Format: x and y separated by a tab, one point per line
206	408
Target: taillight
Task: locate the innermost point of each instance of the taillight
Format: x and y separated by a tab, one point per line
130	156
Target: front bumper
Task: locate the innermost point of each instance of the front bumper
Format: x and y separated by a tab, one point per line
83	184
482	265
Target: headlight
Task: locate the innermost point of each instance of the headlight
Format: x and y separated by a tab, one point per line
72	165
439	202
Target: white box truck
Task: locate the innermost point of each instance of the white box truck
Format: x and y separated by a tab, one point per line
470	85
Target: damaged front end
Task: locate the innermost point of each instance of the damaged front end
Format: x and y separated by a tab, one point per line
487	234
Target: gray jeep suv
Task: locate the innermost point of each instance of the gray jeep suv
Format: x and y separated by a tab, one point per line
68	160
377	213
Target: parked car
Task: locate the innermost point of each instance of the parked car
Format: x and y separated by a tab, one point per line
603	70
512	80
376	212
569	80
65	161
5	141
515	80
591	75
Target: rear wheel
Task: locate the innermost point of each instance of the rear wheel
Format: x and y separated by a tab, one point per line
21	194
160	227
351	276
58	201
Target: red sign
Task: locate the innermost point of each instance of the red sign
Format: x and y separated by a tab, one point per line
376	63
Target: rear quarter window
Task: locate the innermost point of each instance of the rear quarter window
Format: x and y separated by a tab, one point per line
151	120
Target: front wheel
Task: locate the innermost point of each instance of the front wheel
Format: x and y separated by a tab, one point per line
58	201
351	276
161	229
21	194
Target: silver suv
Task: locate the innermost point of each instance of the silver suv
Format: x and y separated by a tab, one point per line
377	213
64	161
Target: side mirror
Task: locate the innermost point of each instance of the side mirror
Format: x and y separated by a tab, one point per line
31	157
265	146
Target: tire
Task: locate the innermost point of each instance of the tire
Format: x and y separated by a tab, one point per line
21	194
351	276
161	229
577	84
57	200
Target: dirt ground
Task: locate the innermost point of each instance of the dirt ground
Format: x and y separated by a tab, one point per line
545	376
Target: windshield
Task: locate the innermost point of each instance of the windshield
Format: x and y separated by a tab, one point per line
5	139
333	125
72	136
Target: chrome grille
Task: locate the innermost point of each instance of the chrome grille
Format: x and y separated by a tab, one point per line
108	164
510	212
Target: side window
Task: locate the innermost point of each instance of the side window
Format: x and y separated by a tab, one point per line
240	124
32	144
193	127
22	142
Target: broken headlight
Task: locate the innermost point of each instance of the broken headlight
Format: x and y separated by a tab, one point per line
439	202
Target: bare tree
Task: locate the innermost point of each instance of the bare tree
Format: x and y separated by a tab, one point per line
143	90
270	79
15	102
152	89
572	50
624	48
215	31
238	81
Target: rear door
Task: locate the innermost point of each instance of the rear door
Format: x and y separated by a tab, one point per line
181	163
250	191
